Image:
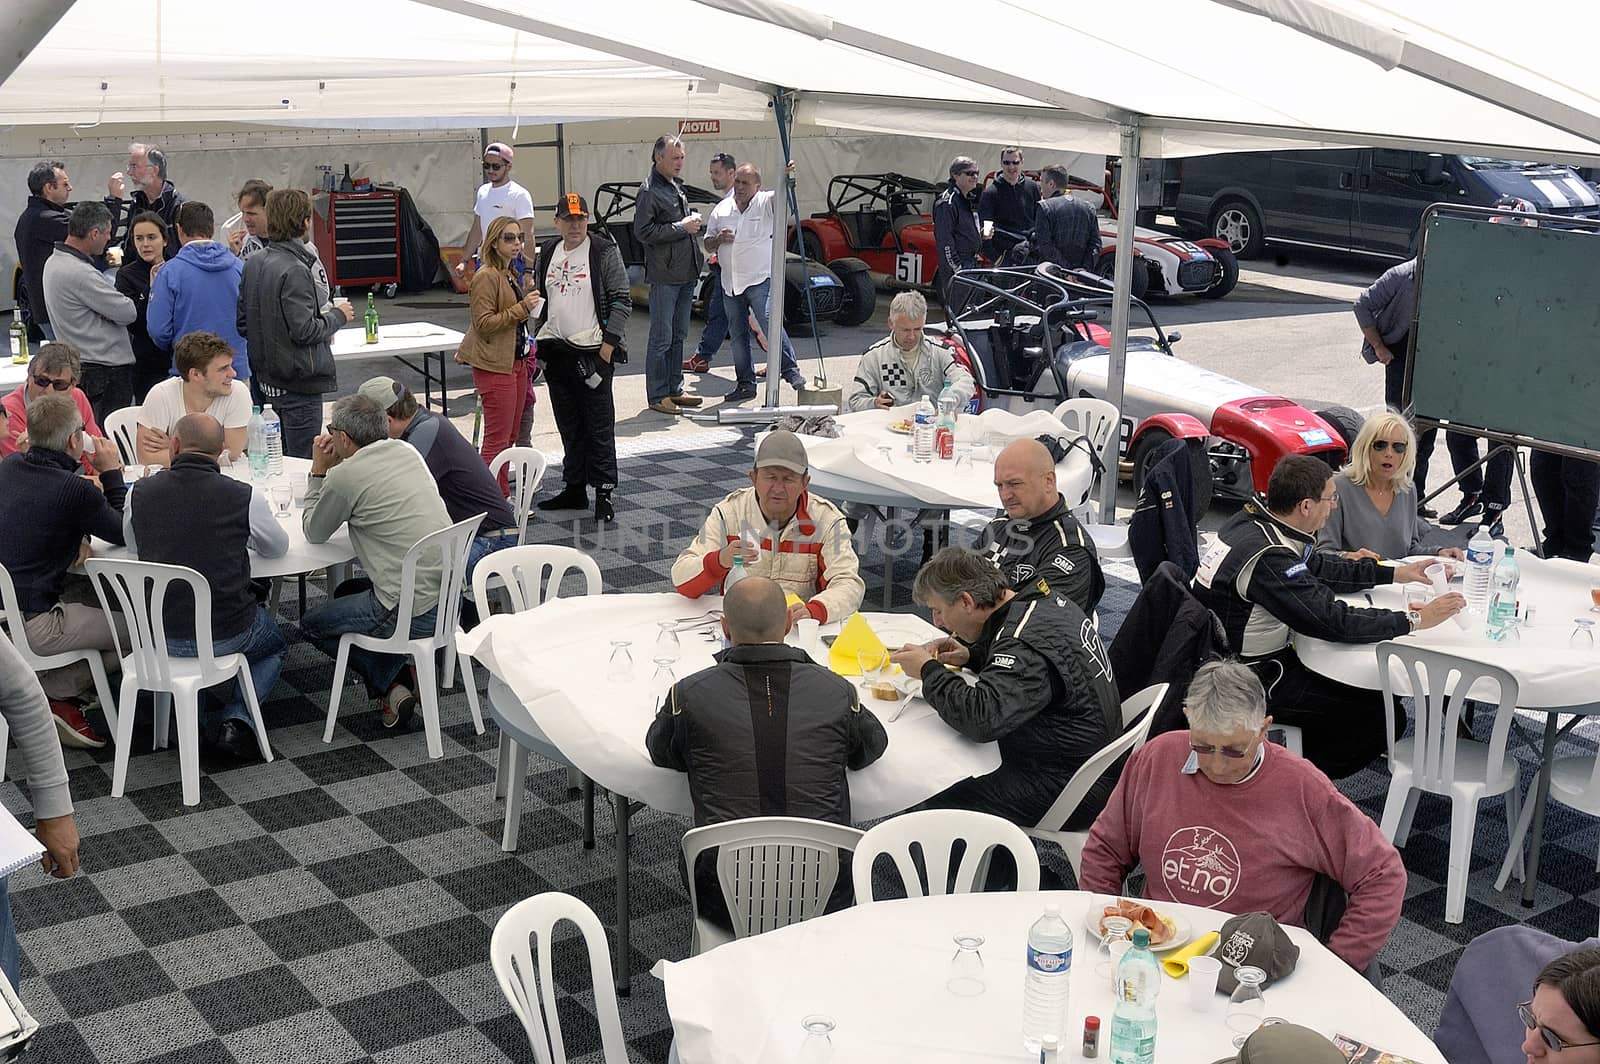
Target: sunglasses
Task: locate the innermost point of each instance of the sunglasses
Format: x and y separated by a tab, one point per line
512	238
1010	162
1551	1039
1233	753
967	173
1384	445
494	166
42	381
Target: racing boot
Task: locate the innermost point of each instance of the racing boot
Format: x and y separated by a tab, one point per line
1470	506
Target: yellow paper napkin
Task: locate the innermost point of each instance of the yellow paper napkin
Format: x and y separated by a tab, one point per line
791	599
1177	962
856	635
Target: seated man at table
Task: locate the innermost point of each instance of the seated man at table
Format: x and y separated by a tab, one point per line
48	509
1221	818
1038	536
1266	583
1045	692
382	490
804	542
464	481
205	384
789	760
907	366
55	368
193	515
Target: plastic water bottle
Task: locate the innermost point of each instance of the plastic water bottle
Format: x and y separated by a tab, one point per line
944	433
922	431
256	445
1133	1017
1048	981
272	440
736	573
1503	588
1480	568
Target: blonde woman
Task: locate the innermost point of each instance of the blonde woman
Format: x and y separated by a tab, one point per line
496	344
1377	512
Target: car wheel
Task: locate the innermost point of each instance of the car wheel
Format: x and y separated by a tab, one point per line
813	245
860	293
1199	468
1237	223
1345	421
1230	274
1141	275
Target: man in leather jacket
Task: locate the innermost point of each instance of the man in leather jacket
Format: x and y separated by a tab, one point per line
1038	536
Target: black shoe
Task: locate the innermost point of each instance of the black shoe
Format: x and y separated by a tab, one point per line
740	394
572	497
1468	507
603	511
1494	522
1427	513
237	740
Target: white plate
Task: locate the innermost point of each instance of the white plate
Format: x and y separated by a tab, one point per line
1182	932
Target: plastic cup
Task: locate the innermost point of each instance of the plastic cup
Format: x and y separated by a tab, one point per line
297	484
1118	949
1202	980
1437	577
808	634
1417	596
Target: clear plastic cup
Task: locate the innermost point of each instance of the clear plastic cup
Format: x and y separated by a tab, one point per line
1202	980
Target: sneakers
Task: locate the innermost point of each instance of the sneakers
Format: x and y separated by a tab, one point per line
73	728
740	394
1468	507
572	497
697	364
398	706
665	406
687	400
603	510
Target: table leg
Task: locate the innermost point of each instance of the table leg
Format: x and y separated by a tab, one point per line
588	813
1541	795
888	560
622	975
516	784
444	391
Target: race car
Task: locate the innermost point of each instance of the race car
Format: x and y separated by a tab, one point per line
841	292
883	220
1032	338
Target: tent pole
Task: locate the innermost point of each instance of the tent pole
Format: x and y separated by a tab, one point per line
780	230
1121	309
30	21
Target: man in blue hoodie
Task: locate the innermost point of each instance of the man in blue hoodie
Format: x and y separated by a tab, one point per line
198	289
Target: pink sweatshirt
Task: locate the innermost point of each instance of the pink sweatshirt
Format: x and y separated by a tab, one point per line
1251	847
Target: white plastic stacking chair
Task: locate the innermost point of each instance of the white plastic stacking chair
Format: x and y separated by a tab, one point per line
452	545
935	832
139	591
1137	715
11	614
1575	783
528	980
774	871
122	428
528	466
1097	420
1436	761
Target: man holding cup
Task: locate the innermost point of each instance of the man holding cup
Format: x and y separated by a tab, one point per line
1006	205
670	233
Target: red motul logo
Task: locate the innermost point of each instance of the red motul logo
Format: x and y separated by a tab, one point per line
689	127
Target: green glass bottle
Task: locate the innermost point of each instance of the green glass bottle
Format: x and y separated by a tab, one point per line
372	319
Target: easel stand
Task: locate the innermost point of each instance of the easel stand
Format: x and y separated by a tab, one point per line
1498	446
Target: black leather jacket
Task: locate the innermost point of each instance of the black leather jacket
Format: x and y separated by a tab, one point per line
672	255
1052	546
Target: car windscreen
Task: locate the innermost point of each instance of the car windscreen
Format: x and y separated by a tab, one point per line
1479	162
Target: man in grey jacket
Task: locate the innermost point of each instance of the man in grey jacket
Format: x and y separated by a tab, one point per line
907	366
88	312
663	223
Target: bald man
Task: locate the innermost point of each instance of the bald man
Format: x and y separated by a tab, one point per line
194	515
1038	539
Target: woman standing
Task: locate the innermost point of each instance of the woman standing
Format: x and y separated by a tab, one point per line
496	344
1377	512
585	286
151	364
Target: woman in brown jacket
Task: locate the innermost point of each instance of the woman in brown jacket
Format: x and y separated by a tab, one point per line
496	344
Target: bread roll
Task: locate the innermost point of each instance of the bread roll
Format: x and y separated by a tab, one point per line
885	692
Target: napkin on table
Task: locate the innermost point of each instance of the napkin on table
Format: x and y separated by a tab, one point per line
856	635
1177	962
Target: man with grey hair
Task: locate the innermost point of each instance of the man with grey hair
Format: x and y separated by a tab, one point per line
669	231
382	489
147	170
87	311
955	225
1223	819
906	365
1045	692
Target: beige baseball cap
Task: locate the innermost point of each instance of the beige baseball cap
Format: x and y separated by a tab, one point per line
782	449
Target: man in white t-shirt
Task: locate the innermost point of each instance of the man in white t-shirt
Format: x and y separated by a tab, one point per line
206	384
498	196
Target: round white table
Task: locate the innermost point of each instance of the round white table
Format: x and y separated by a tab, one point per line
879	970
12	373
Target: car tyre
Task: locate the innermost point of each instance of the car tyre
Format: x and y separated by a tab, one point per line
1141	274
860	292
1237	224
813	245
1345	421
1199	467
1230	274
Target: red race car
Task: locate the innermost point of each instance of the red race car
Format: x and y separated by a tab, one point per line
884	220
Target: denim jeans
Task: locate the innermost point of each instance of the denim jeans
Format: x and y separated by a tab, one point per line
483	546
300	415
10	959
716	329
753	300
362	614
262	645
669	327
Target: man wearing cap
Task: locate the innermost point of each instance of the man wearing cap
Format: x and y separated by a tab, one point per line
499	195
670	233
783	532
1223	819
463	480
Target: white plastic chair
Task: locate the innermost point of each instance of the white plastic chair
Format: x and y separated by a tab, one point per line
1574	782
527	473
122	427
529	983
1436	761
1097	420
1137	715
774	870
935	832
11	614
139	590
452	545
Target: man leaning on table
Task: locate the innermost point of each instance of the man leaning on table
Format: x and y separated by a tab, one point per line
1038	536
906	366
205	384
1266	583
804	539
1223	819
194	515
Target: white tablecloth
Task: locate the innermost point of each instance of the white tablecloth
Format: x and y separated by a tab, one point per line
879	971
12	374
556	659
1549	673
872	458
401	338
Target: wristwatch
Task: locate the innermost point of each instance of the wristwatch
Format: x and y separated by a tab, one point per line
1415	617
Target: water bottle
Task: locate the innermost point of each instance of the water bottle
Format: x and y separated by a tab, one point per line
1480	567
256	445
944	433
736	573
272	440
1503	588
1048	981
922	433
1133	1017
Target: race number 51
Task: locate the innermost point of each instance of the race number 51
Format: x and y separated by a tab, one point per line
908	267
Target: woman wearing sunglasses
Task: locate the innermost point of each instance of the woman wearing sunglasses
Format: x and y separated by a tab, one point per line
1377	512
55	370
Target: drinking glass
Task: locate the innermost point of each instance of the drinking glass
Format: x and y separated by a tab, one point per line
1582	637
1247	1005
818	1046
966	967
662	679
667	645
1594	596
1113	929
279	494
297	486
874	666
620	668
887	454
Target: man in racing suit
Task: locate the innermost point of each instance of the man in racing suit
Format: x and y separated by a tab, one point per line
1266	584
955	225
1038	536
1045	692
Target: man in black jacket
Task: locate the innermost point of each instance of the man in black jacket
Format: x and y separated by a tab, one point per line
1008	203
147	169
1265	583
1066	231
955	225
41	226
669	231
1045	691
1038	536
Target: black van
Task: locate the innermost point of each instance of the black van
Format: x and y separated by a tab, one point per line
1368	200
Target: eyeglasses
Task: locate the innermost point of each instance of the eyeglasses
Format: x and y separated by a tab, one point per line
1551	1039
1384	445
1233	753
42	381
1331	500
512	238
332	428
967	173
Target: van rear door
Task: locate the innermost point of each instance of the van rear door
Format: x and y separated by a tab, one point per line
1311	196
1392	190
